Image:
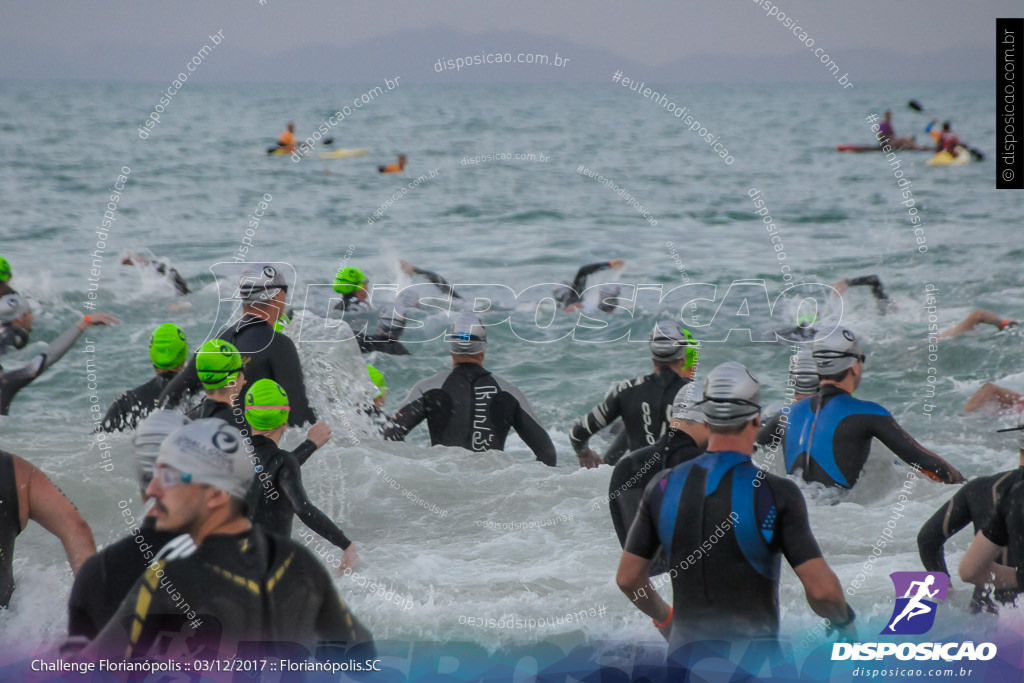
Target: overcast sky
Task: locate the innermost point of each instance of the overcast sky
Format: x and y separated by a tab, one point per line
652	31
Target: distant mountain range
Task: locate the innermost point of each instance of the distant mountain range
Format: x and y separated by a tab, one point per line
414	56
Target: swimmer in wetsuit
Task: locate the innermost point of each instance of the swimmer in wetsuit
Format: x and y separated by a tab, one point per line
15	322
685	440
996	555
570	296
729	592
468	406
266	410
168	351
829	435
106	577
241	583
13	381
390	325
803	377
160	267
354	288
220	368
643	403
975	503
269	355
978	317
26	493
434	278
5	278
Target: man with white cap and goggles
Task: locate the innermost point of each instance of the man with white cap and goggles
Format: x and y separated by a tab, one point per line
643	403
264	292
241	583
829	436
725	525
468	406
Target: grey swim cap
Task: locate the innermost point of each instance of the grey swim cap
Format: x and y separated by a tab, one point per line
260	282
467	335
685	406
147	438
12	307
837	352
669	342
732	395
212	452
803	372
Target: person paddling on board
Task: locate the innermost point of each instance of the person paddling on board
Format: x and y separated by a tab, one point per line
945	140
286	143
889	137
393	168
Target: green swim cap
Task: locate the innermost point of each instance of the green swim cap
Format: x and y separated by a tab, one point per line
807	319
377	377
218	363
348	280
266	405
167	347
5	270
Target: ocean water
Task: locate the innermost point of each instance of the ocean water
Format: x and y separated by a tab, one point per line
496	535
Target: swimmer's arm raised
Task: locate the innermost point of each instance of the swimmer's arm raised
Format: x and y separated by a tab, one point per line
906	448
947	521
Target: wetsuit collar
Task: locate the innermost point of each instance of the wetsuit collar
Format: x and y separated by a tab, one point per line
826	393
718	464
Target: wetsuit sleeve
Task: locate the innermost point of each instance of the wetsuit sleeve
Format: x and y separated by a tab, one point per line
579	283
287	371
530	430
996	530
947	520
764	435
877	290
59	346
334	621
618	448
436	279
186	381
794	527
16	380
887	430
290	482
305	451
408	416
116	418
643	537
596	420
84	593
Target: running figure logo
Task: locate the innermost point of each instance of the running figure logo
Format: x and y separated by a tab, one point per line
914	613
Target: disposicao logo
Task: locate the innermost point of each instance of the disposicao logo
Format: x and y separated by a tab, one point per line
914	613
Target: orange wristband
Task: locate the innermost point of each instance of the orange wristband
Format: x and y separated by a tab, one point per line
668	619
87	319
1003	324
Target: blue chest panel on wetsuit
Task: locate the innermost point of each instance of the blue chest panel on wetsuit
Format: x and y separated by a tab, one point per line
754	522
815	433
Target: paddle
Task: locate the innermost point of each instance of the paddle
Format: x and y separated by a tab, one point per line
325	141
976	153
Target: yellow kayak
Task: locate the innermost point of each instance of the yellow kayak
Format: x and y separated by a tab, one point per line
944	158
339	153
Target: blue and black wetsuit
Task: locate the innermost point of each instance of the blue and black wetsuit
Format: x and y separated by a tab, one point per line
974	503
633	472
829	438
471	408
725	538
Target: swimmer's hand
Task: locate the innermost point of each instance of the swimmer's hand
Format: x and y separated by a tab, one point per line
319	434
845	632
97	319
617	263
589	459
407	268
349	559
841	286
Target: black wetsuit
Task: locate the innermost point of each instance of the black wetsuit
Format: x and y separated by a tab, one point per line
135	404
877	290
382	343
634	472
251	586
10	525
436	279
174	276
974	503
1006	528
12	338
643	404
725	539
281	474
271	356
573	294
350	303
771	437
14	381
224	411
469	407
829	437
106	577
